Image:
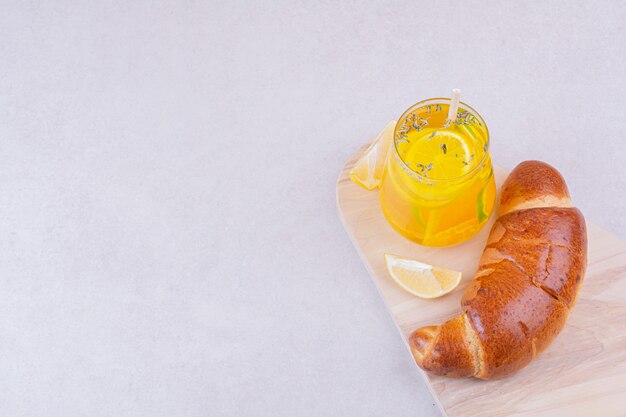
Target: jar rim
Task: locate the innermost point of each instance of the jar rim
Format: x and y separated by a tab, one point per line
441	100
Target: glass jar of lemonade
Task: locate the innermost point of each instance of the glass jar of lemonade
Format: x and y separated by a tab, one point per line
438	187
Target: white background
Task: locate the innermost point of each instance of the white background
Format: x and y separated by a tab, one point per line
169	243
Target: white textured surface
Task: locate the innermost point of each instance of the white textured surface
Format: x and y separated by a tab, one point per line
168	233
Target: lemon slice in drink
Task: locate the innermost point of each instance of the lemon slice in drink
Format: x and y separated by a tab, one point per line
368	170
420	279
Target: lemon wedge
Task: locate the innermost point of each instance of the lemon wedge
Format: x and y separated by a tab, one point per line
368	170
420	279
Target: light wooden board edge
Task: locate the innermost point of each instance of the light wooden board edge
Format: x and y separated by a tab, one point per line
343	175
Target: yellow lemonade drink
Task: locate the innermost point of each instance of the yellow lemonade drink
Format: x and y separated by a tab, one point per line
438	187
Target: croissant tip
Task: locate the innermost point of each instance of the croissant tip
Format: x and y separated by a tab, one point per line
533	184
420	342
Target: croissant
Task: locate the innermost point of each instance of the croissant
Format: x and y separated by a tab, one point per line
526	285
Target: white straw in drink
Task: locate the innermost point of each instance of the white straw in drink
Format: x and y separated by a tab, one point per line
454	105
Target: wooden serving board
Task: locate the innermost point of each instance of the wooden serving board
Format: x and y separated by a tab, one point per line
582	373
